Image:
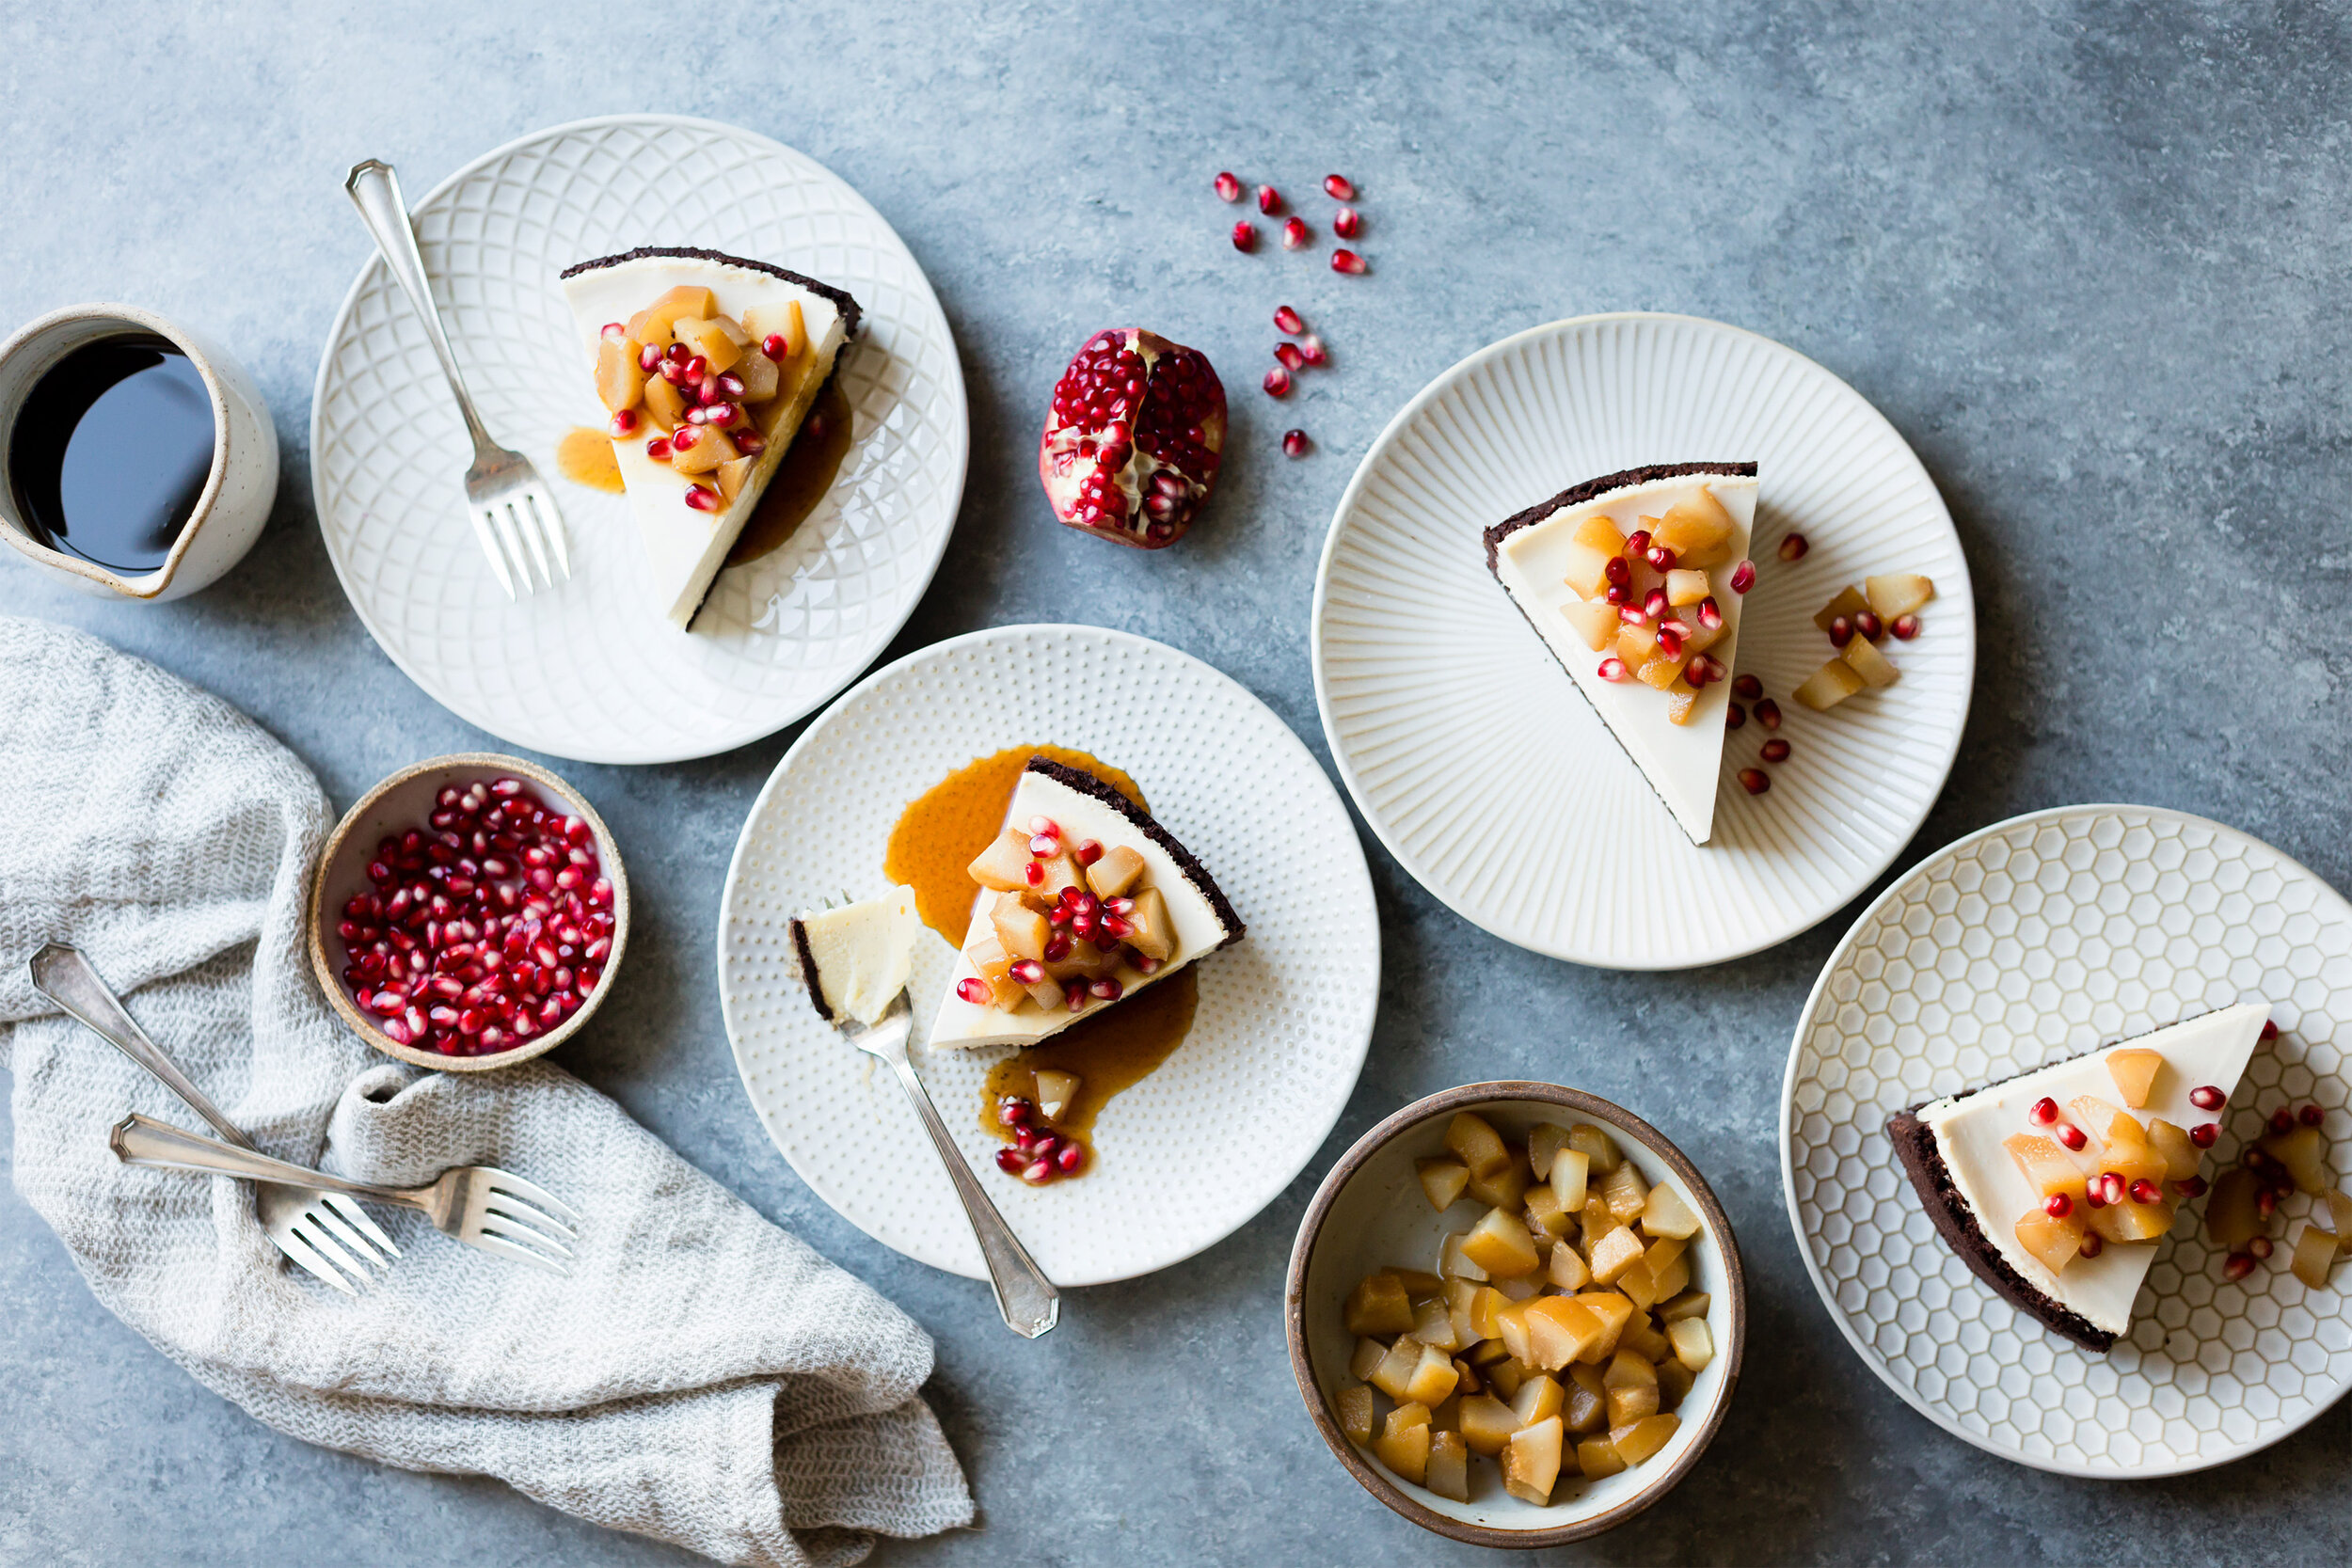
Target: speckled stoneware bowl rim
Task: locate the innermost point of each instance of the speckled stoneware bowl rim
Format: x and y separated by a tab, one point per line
1420	1112
338	842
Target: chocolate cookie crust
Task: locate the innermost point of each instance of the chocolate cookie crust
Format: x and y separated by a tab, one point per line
840	297
1197	874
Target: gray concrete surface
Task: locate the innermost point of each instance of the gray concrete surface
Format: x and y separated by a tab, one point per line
2092	259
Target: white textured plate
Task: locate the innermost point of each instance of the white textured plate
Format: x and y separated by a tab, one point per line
1471	751
589	669
2041	938
1185	1157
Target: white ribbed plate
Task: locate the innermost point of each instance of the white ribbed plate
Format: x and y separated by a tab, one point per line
1190	1154
589	669
2037	938
1471	751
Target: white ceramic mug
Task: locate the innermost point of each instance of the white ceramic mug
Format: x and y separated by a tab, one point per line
237	493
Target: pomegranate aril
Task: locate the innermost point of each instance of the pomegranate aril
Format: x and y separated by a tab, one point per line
1294	443
1654	604
2110	1187
1338	188
1295	235
1710	614
1661	558
1743	576
2311	1116
1840	631
1227	188
623	422
1311	350
2042	1112
2072	1136
1269	200
1289	320
1867	625
2092	1244
1278	382
1905	627
1289	356
1774	750
1636	544
2239	1266
1753	780
649	358
2145	1191
2206	1097
1010	1161
1347	223
973	989
1734	716
2281	1120
1347	261
2260	1247
1613	669
2192	1186
1245	236
1768	714
2057	1206
776	346
1793	547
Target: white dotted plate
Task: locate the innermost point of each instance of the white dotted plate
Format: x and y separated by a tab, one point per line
1441	704
2037	938
1192	1152
589	669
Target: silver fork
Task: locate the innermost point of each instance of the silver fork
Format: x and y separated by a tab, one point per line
1025	1296
324	1232
480	1205
507	501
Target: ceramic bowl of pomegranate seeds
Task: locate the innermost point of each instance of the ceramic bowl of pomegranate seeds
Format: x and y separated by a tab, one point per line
468	913
1516	1314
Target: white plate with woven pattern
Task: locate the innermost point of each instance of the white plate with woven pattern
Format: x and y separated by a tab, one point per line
1191	1153
589	669
1471	751
2037	938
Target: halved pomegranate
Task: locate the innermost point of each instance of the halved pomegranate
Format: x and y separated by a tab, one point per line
1134	438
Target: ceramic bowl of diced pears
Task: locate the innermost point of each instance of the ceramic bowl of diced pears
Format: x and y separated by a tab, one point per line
1516	1312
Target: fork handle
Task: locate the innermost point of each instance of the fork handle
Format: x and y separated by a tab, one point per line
1027	1298
138	1140
375	189
65	976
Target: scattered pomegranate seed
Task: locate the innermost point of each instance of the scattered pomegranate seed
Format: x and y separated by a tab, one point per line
2256	1159
2281	1120
973	989
1743	576
2271	1030
1278	382
1295	235
2092	1245
2207	1098
1294	443
1347	261
1338	188
1312	347
1735	715
1840	631
1227	188
1792	547
1245	236
1288	321
2192	1186
1748	687
2260	1247
1768	714
2057	1206
1753	780
2070	1135
2311	1116
1905	627
1347	223
1661	558
2266	1202
1868	624
2145	1191
1269	200
1613	669
2042	1112
1775	751
1291	360
702	497
2240	1265
1710	614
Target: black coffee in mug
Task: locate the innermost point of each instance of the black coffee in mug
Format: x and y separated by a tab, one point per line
111	452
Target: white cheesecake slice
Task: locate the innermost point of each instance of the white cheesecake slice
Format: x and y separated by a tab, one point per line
1956	1151
856	959
686	546
1084	811
1536	553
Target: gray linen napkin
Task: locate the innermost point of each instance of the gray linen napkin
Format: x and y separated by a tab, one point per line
703	1378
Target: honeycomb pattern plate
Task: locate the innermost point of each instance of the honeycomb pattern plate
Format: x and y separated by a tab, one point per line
1438	699
589	669
2037	938
1192	1152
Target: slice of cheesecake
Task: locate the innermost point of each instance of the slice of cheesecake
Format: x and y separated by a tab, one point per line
707	364
2054	1186
856	959
1084	899
1629	579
